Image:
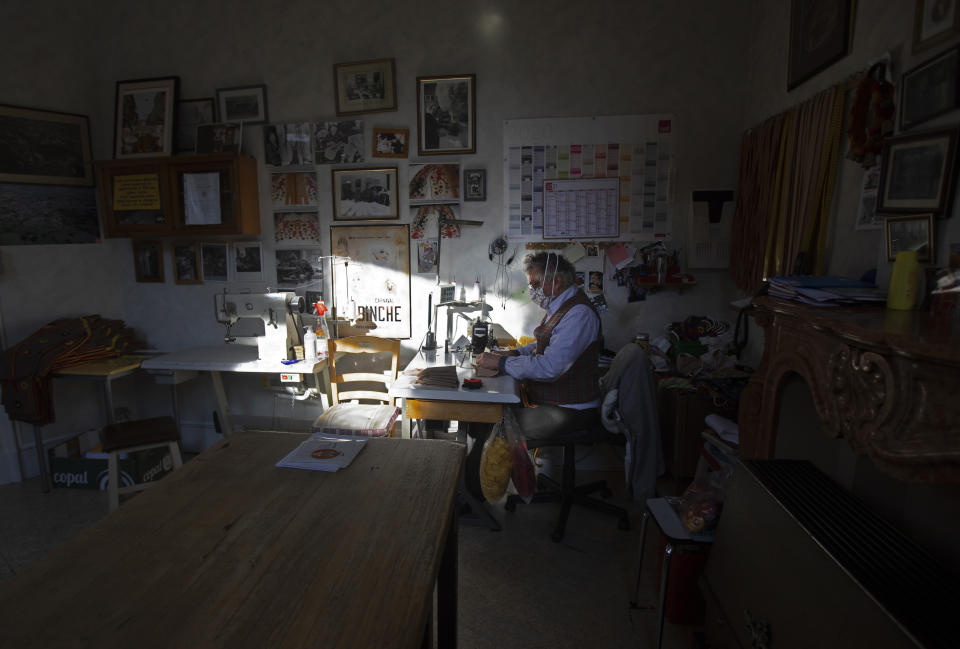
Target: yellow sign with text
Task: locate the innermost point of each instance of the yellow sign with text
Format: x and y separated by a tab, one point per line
136	192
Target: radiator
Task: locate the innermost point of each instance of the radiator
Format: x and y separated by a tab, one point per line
799	562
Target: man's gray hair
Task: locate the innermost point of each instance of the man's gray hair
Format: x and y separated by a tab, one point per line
546	262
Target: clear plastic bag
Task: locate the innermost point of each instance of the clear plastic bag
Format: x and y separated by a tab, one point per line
496	463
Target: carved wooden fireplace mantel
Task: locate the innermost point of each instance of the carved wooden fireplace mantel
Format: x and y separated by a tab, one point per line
886	381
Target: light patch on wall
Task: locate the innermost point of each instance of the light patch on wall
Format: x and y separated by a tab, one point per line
490	24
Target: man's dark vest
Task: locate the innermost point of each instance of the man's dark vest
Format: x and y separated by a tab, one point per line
580	383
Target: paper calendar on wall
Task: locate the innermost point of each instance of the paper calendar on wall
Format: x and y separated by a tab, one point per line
631	156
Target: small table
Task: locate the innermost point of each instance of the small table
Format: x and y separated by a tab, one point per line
231	551
106	370
677	539
184	364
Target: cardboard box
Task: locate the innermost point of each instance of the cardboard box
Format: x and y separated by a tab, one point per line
90	470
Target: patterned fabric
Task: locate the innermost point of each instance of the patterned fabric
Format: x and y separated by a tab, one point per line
578	384
26	367
357	419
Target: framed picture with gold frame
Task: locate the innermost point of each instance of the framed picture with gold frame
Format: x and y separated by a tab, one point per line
935	22
820	35
391	142
148	261
365	87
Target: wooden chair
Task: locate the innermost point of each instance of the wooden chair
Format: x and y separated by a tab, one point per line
132	437
346	415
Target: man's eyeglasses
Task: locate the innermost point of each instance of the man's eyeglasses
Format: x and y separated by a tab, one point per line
536	284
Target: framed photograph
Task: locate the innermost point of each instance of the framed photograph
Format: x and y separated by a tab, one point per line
338	142
592	249
247	261
446	114
434	183
935	21
376	282
221	137
247	104
819	37
191	113
145	117
917	173
213	261
186	263
45	148
365	87
391	142
474	184
913	232
148	261
930	89
365	194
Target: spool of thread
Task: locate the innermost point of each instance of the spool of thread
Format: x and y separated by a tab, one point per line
904	282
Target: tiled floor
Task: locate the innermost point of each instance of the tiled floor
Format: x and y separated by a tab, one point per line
518	588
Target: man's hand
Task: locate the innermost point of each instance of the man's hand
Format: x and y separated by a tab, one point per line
489	360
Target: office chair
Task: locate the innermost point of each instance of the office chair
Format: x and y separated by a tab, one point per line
132	437
346	415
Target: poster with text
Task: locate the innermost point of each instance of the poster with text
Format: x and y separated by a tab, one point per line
371	276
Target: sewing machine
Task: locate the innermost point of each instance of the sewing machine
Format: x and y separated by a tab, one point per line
279	313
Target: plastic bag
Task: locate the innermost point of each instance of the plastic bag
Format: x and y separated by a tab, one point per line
703	502
496	463
523	475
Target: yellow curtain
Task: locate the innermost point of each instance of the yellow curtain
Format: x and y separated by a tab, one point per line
788	171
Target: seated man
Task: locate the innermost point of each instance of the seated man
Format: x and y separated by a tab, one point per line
559	371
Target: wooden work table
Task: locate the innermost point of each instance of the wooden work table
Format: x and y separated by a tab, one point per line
231	551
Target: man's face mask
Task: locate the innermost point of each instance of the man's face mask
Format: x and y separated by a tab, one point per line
535	290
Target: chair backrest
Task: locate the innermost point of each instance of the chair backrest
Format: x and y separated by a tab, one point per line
338	348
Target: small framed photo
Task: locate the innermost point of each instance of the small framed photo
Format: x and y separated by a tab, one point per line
391	142
213	261
935	21
474	184
221	137
592	249
148	261
913	232
596	281
186	263
820	35
930	89
365	194
446	114
247	104
44	148
338	142
247	261
365	87
145	117
191	113
917	172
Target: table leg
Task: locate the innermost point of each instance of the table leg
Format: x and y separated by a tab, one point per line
223	407
447	587
108	399
41	458
664	580
643	543
404	422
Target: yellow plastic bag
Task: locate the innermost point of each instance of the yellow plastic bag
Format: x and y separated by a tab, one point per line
496	463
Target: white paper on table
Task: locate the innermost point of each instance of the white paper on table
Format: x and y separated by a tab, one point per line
201	198
345	448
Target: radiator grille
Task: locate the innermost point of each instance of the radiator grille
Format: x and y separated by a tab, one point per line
899	575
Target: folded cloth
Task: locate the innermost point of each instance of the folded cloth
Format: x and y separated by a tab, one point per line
26	367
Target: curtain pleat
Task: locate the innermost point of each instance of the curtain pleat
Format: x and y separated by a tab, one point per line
788	168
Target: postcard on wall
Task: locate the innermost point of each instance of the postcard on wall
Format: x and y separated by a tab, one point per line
427	256
867	217
247	261
288	145
294	189
296	227
340	141
300	268
433	183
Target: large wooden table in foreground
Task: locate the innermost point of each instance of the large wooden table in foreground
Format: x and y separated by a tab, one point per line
231	551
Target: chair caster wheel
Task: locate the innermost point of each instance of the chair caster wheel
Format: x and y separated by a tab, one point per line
624	524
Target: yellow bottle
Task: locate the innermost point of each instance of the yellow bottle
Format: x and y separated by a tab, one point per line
904	282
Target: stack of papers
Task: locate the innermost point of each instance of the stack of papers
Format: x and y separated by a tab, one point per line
323	452
824	290
441	376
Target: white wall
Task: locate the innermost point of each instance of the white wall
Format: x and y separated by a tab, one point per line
532	59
